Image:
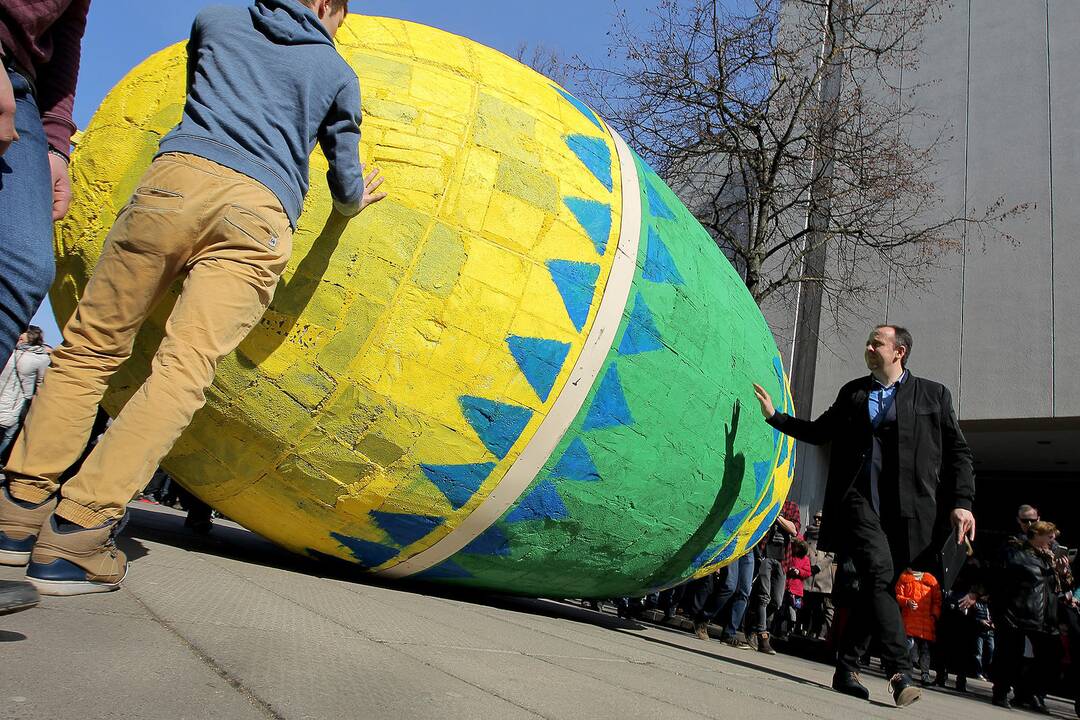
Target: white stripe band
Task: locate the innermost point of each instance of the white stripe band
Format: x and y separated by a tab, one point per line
569	402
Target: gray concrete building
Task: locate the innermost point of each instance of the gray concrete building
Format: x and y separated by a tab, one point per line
998	323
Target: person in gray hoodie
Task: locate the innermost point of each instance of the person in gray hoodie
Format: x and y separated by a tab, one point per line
218	207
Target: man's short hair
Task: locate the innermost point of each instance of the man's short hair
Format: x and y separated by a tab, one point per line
334	4
903	339
1027	508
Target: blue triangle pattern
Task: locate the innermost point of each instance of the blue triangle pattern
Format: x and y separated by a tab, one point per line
609	408
595	154
659	265
492	541
764	527
582	107
704	556
641	334
542	503
540	361
762	473
367	553
405	529
576	282
444	571
458	482
727	552
499	425
576	464
657	206
732	523
594	217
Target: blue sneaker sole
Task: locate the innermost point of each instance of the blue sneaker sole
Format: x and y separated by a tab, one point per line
64	578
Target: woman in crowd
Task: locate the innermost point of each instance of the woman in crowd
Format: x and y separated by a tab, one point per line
1025	606
19	381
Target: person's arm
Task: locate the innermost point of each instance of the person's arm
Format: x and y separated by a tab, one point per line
789	527
339	138
815	432
958	469
56	83
40	375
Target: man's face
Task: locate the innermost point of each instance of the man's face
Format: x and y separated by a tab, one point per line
817	520
881	350
1026	519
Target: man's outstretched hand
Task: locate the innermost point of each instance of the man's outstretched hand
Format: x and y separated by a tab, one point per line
964	522
372	181
767	408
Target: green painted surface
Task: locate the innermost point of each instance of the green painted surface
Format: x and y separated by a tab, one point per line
685	465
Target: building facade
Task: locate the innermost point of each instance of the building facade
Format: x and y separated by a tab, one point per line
999	321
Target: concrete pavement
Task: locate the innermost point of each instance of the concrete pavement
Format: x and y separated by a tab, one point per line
231	627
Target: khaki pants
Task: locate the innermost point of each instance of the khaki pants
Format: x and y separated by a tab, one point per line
189	216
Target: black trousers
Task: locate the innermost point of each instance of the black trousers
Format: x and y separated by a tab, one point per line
873	610
1011	670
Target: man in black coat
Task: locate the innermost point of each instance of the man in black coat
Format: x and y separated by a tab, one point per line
900	474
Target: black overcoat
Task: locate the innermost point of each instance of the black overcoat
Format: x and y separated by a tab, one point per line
936	471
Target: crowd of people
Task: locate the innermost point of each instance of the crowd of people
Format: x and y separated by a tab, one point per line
1011	616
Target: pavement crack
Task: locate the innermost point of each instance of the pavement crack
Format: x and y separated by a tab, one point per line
234	682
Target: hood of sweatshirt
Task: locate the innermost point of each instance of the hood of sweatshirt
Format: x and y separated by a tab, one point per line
289	22
36	349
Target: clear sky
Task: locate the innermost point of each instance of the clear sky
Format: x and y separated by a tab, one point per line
121	33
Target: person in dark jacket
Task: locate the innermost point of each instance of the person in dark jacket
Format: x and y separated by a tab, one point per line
1025	608
900	473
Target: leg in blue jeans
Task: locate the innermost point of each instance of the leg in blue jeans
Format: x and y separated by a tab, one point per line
742	572
27	264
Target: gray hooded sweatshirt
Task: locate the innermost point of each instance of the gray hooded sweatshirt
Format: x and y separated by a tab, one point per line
265	83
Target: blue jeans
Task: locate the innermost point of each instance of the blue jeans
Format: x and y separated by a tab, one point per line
740	579
27	264
984	651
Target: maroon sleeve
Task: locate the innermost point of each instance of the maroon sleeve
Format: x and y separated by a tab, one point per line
57	78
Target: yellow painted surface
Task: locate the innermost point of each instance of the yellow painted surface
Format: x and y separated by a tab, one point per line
352	378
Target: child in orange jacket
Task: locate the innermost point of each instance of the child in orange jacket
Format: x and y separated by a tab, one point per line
919	596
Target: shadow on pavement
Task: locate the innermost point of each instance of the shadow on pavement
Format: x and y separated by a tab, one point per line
10	636
227	540
745	665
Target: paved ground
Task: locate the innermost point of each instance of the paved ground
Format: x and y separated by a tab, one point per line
231	627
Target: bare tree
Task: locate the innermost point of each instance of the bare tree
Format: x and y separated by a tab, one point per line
544	60
787	127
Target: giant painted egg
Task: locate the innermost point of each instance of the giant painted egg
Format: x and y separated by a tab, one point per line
528	370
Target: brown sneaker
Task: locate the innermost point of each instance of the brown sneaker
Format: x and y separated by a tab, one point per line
72	560
20	523
763	644
701	630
